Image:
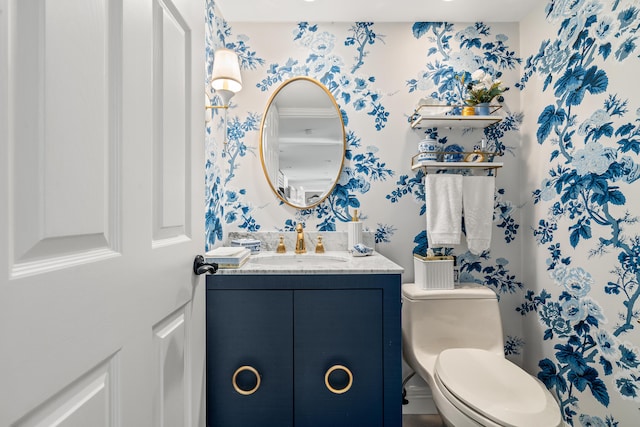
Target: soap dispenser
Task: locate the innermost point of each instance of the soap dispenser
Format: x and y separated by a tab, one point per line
354	230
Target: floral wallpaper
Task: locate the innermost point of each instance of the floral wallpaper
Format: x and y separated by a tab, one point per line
563	200
585	140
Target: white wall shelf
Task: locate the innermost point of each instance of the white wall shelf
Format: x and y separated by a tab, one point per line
456	165
433	116
430	165
477	122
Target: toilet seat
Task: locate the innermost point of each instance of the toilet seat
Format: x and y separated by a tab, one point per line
495	388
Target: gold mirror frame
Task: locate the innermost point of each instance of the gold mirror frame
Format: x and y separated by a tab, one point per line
265	123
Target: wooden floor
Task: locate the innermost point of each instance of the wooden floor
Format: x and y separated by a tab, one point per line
421	421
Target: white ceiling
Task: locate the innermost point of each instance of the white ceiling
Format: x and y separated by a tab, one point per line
376	10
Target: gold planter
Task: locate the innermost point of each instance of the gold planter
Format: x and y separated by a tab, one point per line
468	111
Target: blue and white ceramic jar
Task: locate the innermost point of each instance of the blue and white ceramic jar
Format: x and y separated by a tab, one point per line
428	150
453	153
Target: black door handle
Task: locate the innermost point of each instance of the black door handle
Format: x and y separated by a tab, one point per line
201	267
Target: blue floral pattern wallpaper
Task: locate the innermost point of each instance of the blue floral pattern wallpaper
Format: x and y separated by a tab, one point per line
564	201
585	140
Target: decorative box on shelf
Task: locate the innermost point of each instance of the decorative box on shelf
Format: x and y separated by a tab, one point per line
435	115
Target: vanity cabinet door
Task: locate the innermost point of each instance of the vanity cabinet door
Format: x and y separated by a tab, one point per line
338	330
249	331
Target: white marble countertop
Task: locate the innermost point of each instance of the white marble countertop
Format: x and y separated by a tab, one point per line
331	262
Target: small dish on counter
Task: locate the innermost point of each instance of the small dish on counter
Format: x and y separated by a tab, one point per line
359	250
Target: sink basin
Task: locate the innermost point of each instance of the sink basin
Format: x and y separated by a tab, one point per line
299	259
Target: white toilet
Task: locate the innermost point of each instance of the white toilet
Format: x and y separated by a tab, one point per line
453	340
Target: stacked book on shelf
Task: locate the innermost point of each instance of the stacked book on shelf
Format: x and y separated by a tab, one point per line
228	257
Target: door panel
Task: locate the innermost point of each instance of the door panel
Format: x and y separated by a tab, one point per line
101	318
253	328
171	134
171	356
338	327
61	215
88	401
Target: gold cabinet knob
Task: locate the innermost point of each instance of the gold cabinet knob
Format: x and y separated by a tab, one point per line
338	368
241	369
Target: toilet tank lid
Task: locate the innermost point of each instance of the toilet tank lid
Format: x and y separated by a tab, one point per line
461	291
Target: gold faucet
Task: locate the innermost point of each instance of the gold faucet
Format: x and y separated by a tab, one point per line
300	249
319	246
281	248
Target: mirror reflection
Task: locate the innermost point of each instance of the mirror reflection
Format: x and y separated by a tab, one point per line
302	142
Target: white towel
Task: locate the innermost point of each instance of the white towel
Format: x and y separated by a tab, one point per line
477	200
443	193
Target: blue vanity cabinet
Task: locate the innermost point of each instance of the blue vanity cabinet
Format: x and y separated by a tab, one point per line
327	349
245	338
338	368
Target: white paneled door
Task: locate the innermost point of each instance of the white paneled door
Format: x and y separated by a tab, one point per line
101	213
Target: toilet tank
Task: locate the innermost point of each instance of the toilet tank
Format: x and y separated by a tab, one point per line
465	317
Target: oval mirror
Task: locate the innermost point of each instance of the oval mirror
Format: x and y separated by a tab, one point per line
302	142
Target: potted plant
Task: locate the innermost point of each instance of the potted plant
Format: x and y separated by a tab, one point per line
481	90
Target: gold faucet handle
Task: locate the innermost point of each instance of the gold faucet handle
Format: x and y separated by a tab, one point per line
281	249
319	246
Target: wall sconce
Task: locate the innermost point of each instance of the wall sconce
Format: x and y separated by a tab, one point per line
225	80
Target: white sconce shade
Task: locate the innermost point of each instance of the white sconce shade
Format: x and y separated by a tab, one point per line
225	77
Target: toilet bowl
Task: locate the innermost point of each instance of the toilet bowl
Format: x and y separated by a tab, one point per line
453	340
